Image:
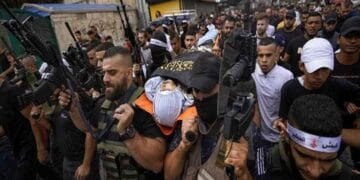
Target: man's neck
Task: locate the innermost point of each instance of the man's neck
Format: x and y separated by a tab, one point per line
305	83
266	73
307	36
262	35
176	51
347	58
289	29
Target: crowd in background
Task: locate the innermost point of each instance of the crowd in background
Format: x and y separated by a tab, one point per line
62	150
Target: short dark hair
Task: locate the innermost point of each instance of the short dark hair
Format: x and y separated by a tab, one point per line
190	33
314	14
119	50
143	31
267	41
262	16
316	114
104	46
230	19
116	50
174	36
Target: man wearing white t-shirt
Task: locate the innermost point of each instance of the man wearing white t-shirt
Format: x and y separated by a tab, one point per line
269	78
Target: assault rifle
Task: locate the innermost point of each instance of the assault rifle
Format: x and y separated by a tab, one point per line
56	76
129	33
235	106
84	72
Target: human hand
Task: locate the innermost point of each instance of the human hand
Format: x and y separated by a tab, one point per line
82	172
124	114
237	153
43	156
68	100
188	126
65	98
352	108
280	126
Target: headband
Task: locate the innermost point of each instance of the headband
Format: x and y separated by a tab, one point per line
158	43
314	142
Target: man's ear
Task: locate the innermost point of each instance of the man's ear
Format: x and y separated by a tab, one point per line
338	40
129	73
302	67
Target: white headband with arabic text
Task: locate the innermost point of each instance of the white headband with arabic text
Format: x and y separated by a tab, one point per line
314	142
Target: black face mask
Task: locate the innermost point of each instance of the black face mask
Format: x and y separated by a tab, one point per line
207	108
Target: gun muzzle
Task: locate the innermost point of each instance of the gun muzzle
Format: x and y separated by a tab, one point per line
191	136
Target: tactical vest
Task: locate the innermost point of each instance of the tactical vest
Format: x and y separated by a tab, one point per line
115	157
194	170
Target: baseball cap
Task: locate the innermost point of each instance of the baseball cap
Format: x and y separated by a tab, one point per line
291	13
280	39
350	25
205	72
331	17
317	53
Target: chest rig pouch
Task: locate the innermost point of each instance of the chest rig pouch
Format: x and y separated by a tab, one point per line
116	159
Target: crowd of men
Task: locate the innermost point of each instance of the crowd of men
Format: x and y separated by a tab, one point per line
304	125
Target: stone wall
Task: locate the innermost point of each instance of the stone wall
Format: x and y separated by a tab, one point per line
107	23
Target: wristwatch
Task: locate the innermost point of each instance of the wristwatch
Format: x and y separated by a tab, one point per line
128	133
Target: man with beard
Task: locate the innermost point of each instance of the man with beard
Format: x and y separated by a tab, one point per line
282	13
290	30
133	144
294	48
188	159
328	32
308	146
143	39
262	25
228	27
345	11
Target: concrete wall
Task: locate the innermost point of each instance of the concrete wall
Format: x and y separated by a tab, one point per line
107	23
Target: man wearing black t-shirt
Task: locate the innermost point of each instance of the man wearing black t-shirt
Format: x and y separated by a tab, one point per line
347	66
347	60
294	47
290	30
131	141
316	64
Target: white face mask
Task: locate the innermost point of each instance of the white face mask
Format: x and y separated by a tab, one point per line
168	106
